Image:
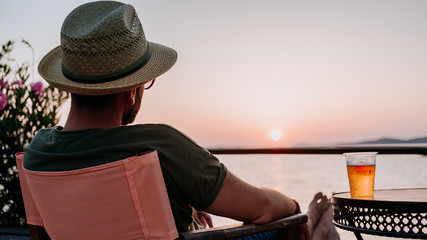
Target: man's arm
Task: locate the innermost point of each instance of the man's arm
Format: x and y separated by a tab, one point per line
244	202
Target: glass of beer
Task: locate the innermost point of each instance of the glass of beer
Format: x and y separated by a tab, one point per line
361	174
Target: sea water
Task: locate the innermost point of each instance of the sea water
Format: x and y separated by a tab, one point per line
300	176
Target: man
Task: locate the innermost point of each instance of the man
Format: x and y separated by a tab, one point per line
106	63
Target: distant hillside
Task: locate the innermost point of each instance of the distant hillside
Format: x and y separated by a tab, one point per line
381	141
394	141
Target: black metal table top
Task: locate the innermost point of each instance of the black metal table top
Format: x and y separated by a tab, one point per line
393	212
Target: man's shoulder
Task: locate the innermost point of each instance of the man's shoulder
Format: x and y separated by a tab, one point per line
147	128
153	126
168	134
46	133
139	131
149	132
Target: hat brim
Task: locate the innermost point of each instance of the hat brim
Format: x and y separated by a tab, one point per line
162	59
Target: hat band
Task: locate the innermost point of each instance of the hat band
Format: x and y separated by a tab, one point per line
138	64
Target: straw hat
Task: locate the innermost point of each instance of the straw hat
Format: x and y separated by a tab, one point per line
103	51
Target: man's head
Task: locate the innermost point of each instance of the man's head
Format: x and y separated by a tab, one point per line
129	100
104	51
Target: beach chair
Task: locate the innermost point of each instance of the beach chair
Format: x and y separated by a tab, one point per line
131	202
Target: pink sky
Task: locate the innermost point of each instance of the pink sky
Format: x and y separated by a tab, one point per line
320	72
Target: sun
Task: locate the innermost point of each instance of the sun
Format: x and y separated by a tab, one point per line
275	135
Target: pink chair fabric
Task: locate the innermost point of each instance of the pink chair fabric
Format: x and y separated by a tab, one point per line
33	215
125	199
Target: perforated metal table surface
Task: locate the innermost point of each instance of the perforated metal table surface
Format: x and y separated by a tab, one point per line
393	212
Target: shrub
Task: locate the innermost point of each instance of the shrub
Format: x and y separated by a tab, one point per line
25	107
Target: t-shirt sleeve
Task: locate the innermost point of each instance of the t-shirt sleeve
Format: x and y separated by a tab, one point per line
194	172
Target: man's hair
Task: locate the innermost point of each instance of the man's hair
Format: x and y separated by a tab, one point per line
93	101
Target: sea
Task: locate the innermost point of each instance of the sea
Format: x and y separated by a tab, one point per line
300	176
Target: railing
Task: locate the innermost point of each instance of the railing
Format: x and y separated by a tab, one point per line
381	149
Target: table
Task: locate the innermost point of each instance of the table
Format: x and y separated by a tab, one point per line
393	212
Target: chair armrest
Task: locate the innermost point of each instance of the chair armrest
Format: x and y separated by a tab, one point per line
240	230
225	232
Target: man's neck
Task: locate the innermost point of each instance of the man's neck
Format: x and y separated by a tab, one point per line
81	119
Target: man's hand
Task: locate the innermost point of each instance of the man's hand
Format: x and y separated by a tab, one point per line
202	218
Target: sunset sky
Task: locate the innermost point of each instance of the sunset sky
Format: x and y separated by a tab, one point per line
317	72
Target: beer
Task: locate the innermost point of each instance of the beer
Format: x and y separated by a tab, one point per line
361	174
361	179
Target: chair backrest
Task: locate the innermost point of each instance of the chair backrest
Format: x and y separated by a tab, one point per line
124	199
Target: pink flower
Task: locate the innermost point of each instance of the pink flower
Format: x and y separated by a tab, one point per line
38	88
3	84
3	100
18	83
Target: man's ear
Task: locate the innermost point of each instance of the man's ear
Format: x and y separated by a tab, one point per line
130	96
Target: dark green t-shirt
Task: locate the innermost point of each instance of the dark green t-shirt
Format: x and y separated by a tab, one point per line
192	175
